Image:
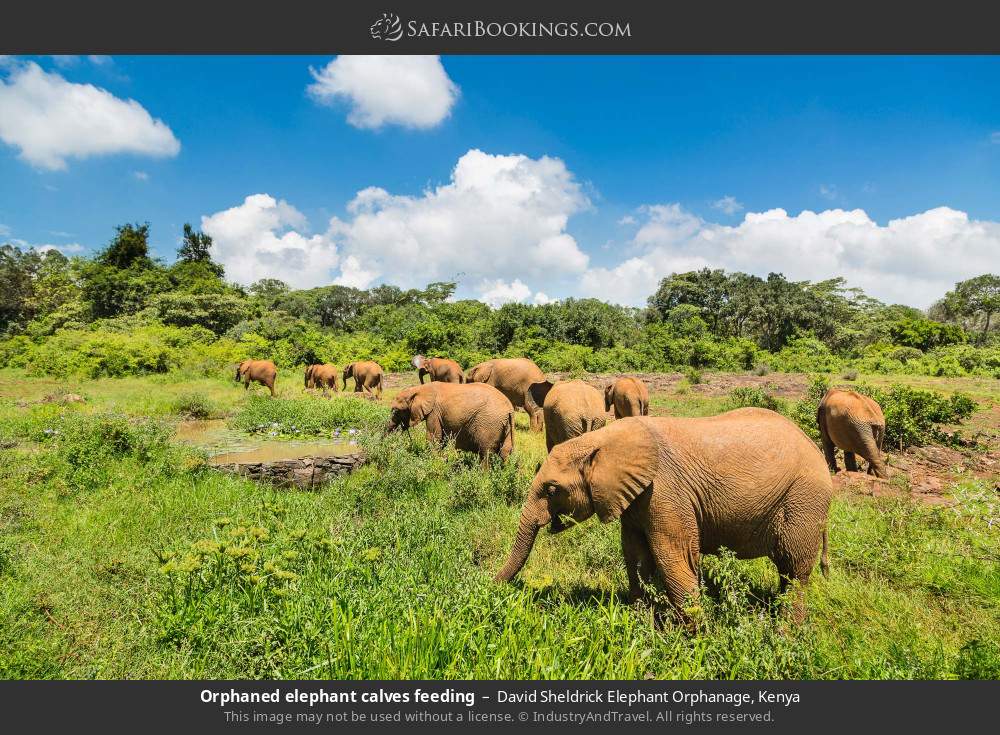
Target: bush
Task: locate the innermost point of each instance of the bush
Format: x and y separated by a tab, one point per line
753	397
193	405
850	375
693	375
761	369
913	416
310	416
803	412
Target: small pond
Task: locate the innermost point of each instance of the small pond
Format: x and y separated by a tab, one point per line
228	446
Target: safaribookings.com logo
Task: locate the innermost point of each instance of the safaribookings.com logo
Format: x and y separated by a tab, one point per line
390	28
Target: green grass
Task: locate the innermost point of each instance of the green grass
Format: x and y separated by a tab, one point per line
122	555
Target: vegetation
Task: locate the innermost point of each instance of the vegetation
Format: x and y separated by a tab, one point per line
123	555
124	313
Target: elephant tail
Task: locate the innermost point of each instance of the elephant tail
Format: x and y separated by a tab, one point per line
509	431
824	559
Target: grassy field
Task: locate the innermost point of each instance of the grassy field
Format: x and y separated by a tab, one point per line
123	555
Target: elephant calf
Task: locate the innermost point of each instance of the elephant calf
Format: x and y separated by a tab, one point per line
570	408
478	417
512	377
439	369
748	480
257	371
856	424
628	396
367	377
322	376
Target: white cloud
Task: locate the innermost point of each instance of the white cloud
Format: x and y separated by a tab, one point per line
264	238
828	191
728	205
911	260
497	293
500	217
72	248
412	91
541	298
50	120
628	219
140	176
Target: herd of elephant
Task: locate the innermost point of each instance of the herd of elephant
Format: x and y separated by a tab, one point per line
748	480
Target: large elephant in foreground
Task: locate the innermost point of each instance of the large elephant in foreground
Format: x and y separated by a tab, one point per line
257	371
512	377
439	369
571	408
628	396
367	377
748	480
478	417
855	423
322	376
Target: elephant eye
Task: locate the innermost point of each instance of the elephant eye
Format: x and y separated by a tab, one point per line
550	490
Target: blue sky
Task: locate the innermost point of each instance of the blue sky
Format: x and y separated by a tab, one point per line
654	164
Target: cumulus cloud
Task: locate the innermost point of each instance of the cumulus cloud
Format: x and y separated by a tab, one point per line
411	91
266	238
50	120
497	293
911	260
728	205
499	217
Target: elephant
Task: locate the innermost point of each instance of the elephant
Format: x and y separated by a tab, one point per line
478	417
322	376
512	376
367	377
749	480
856	424
257	371
629	397
570	408
439	368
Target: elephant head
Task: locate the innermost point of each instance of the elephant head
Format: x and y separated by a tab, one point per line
348	372
308	379
239	370
410	407
600	472
534	398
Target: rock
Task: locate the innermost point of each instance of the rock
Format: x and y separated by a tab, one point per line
304	472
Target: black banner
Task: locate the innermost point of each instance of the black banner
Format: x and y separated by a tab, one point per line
378	706
514	26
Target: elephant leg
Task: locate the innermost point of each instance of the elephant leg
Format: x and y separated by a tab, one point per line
830	452
850	461
795	556
876	462
676	562
638	562
270	387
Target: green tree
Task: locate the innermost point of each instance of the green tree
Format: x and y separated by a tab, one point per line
973	303
196	247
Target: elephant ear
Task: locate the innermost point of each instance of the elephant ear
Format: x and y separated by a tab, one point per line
620	467
609	396
534	397
421	405
418	361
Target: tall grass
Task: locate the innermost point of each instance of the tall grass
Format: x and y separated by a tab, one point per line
149	564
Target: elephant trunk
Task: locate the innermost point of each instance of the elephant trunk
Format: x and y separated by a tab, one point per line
527	530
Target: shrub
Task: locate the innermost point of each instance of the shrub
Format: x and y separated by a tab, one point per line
753	396
761	369
913	416
850	375
310	416
693	375
803	412
193	405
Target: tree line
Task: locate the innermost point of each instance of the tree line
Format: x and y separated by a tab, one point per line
708	318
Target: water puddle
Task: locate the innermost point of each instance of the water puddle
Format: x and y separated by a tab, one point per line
227	446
